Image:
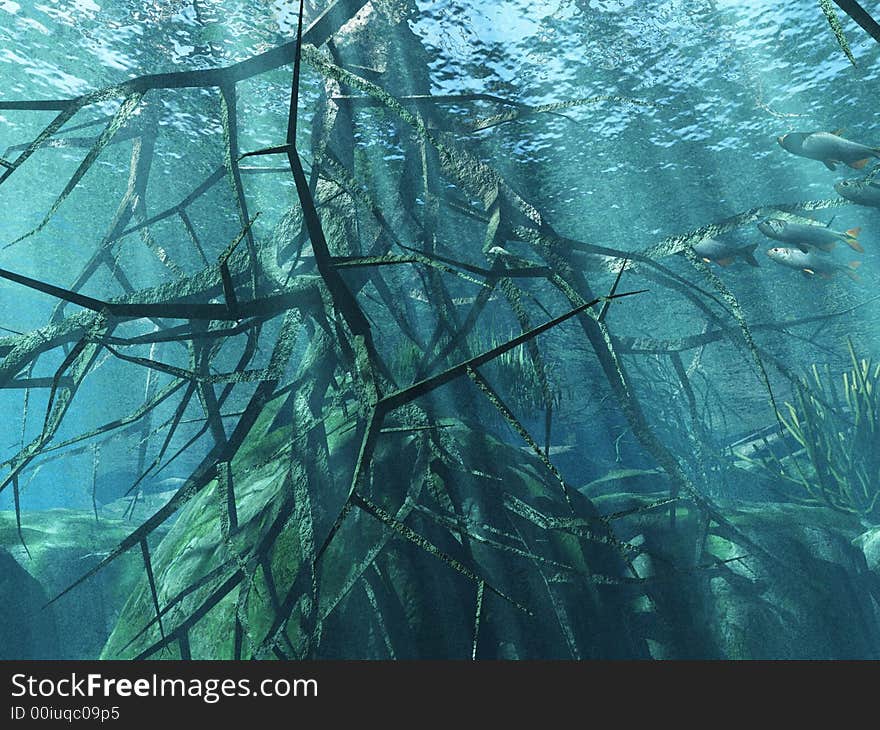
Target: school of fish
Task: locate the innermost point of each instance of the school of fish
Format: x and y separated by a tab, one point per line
806	246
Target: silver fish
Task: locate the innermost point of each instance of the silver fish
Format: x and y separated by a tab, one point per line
119	483
862	192
723	253
812	263
809	235
829	148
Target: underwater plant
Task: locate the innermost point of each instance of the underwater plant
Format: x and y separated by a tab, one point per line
527	384
836	426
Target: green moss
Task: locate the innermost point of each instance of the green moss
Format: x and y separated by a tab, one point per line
695	605
417	592
721	548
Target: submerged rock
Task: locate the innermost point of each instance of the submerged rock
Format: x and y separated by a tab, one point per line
782	581
761	581
379	591
27	629
439	514
869	542
779	581
64	544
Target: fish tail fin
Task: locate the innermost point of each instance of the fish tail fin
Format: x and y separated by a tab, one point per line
749	255
855	245
859	164
851	270
852	239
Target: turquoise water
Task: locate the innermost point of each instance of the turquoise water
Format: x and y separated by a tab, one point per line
685	101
